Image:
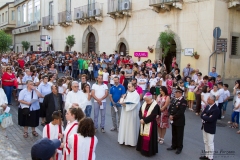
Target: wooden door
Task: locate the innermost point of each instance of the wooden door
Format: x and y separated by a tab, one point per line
91	43
122	49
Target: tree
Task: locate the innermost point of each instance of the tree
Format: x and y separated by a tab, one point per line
26	45
70	41
165	39
5	42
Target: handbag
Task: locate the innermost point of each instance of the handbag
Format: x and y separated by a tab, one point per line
6	120
26	111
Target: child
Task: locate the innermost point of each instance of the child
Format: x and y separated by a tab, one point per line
169	84
60	87
219	79
191	95
236	111
54	130
204	96
117	74
142	82
105	76
20	83
173	62
181	85
225	99
100	71
137	76
123	80
152	85
112	78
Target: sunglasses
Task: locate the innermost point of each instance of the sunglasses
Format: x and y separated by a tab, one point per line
76	86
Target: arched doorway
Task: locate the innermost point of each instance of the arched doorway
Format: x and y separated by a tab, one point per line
91	43
85	39
122	49
170	55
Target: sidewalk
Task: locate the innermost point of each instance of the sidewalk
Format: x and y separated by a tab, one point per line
16	146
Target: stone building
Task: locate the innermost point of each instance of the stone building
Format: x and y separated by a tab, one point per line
130	26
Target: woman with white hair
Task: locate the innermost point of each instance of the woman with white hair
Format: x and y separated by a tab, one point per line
148	138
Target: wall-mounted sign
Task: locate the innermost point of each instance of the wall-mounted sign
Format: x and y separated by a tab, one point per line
189	51
140	54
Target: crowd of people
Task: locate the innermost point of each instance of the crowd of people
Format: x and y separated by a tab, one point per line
145	99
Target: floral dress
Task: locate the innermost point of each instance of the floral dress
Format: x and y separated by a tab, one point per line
169	84
162	120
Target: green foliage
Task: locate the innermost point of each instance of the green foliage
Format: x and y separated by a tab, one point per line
26	45
70	41
5	41
165	42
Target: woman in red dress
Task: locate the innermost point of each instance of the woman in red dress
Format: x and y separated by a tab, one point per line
163	101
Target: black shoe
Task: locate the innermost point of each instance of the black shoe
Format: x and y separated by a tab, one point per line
203	158
170	149
178	152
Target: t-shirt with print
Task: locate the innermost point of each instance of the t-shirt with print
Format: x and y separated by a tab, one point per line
142	80
153	82
105	76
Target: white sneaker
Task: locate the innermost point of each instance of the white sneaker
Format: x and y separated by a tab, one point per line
113	129
103	131
222	117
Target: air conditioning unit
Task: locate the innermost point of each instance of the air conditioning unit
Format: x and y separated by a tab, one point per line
125	5
96	12
79	14
90	13
19	30
68	18
51	22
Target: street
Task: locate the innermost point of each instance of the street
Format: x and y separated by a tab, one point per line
226	140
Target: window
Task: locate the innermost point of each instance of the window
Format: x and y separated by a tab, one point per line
24	11
37	10
6	16
30	11
0	19
234	45
19	16
68	5
13	15
3	18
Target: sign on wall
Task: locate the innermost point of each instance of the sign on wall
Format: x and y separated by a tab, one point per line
140	54
188	51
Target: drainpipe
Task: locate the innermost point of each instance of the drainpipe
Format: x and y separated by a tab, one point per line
209	61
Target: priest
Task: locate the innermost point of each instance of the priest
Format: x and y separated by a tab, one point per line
129	122
148	138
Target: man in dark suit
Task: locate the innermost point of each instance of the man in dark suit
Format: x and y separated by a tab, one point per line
177	119
209	119
52	102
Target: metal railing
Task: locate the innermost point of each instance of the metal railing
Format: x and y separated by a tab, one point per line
65	16
119	5
87	11
159	2
48	21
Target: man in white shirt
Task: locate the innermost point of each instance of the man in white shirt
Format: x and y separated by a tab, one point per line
221	98
225	99
75	98
99	94
139	62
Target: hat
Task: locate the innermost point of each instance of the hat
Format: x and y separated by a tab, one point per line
178	89
148	95
44	148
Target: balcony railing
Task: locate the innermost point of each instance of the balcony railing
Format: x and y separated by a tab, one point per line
47	21
160	2
88	11
16	2
64	17
119	6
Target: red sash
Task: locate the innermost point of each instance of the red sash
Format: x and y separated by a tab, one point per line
91	149
67	139
48	131
75	146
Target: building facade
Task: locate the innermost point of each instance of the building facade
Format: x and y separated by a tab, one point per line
130	26
7	17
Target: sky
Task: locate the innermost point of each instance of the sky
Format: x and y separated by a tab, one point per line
2	2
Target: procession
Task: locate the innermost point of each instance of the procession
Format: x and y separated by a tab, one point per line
142	108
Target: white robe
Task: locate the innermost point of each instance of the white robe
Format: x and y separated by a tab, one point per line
53	134
129	122
78	98
3	97
67	133
82	147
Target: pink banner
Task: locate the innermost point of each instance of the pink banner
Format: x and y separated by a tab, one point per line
140	54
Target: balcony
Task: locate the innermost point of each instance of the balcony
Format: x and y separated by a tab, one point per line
234	4
119	8
17	2
48	22
6	26
165	4
88	13
65	18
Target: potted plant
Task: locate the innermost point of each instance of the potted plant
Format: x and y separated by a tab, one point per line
195	55
151	49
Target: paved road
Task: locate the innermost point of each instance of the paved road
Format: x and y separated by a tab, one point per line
226	139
